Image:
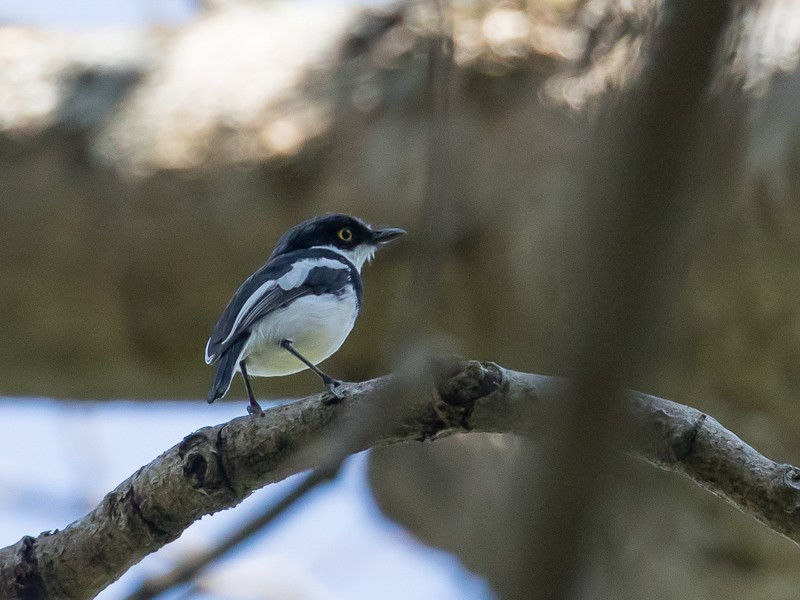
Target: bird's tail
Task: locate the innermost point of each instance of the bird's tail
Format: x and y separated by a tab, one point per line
226	369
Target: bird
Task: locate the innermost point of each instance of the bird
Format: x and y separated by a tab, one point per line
298	308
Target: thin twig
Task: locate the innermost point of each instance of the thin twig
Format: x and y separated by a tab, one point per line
190	569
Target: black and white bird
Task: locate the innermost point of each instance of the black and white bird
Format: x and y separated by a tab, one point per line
297	309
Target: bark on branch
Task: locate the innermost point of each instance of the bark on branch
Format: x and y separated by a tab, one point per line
216	467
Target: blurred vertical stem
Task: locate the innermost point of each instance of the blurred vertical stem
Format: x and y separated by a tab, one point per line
641	145
436	225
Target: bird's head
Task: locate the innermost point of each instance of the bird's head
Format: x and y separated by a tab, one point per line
349	236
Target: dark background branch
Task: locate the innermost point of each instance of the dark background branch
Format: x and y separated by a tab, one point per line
631	206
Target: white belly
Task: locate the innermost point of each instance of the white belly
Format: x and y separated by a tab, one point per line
317	326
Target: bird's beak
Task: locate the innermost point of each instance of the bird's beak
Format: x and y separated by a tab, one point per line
384	236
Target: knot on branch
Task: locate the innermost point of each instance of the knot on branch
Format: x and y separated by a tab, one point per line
684	442
787	489
791	477
28	580
201	462
460	383
126	507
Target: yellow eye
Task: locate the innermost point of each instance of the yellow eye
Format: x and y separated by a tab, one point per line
345	234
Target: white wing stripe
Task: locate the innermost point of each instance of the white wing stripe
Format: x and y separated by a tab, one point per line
300	270
254	297
295	277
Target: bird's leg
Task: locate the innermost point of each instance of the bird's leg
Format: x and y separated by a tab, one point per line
254	408
331	384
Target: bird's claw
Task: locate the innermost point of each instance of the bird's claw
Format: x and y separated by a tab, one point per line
254	409
334	387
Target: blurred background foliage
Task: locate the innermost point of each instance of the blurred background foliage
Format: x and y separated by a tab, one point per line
147	172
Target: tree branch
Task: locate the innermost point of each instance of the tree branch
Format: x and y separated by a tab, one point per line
216	467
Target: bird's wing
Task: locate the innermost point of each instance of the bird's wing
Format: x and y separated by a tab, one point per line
273	286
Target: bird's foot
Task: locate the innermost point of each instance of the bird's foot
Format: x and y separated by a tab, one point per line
254	409
334	387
